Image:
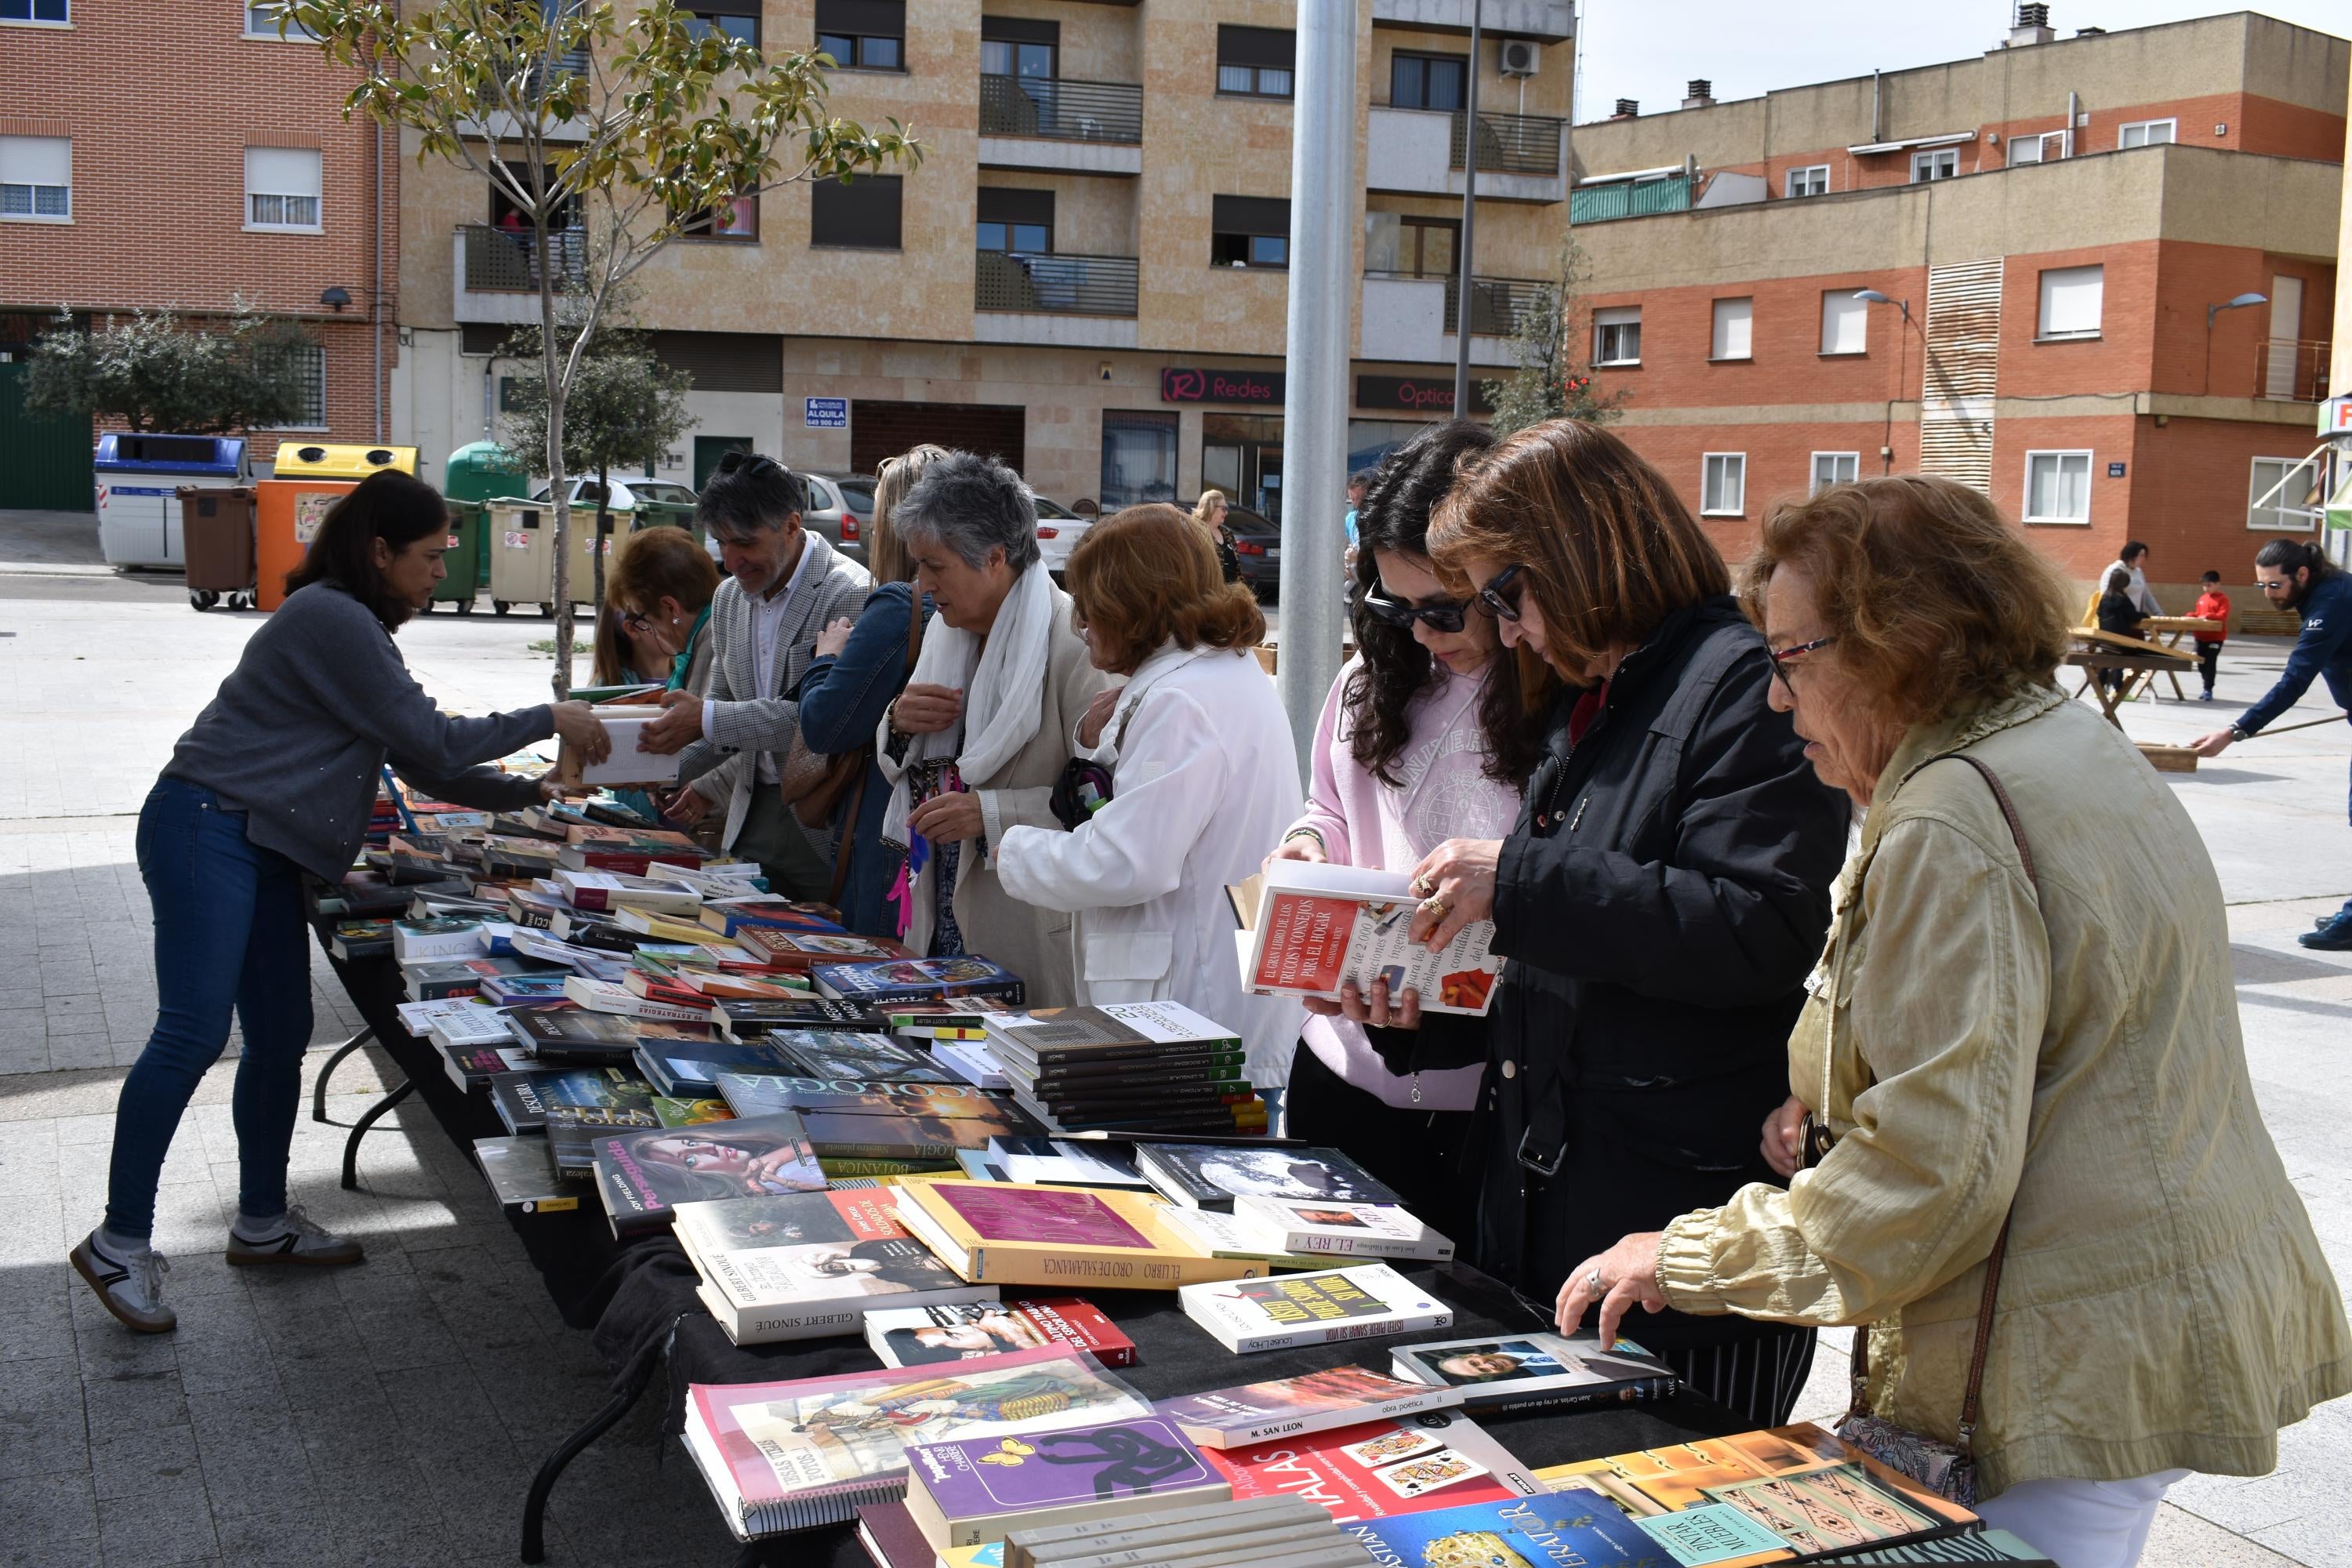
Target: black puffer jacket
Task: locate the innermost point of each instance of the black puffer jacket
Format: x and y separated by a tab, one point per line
1662	898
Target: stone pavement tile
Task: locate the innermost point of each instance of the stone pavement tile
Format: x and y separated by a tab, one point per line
47	1439
2181	1540
37	1322
126	1402
50	1521
354	1434
132	1463
158	1528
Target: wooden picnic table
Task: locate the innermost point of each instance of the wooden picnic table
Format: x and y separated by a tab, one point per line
2096	650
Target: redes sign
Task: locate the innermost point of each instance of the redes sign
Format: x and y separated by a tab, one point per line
1195	385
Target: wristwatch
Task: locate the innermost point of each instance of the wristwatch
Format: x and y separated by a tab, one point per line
2238	732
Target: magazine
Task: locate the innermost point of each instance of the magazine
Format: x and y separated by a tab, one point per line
1320	926
643	1175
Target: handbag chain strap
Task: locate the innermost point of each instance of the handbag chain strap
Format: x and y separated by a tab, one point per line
1993	1261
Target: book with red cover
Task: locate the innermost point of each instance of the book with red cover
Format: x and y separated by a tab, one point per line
653	988
1440	1458
892	1538
922	1336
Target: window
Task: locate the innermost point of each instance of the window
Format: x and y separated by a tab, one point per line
53	11
281	188
1810	181
261	21
2042	147
1426	81
36	178
736	20
2294	507
1018	46
1834	468
860	215
1723	486
1404	245
736	219
2145	133
1020	221
310	362
1845	323
1733	320
1942	163
1256	61
863	34
2057	486
1617	335
1138	458
2070	302
1250	231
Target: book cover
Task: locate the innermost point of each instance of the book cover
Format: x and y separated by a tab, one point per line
610	890
808	1265
1353	1470
1320	926
354	940
693	1066
1359	1230
917	980
970	1062
1514	1372
1061	1033
715	985
1366	1302
733	915
846	1054
1220	1234
415	941
964	1490
675	1111
1343	1396
786	947
1000	1233
473	1066
925	1336
1210	1175
514	990
643	1175
572	1130
445	977
757	1020
1065	1162
521	1171
891	1537
1549	1529
756	1093
522	1098
921	1140
473	1026
576	1026
603	996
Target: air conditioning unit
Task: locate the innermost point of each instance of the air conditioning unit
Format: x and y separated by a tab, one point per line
1517	57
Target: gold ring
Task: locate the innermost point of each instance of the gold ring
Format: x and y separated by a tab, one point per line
1434	908
1422	887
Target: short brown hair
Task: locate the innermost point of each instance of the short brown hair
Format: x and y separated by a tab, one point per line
1148	575
657	561
1938	603
1605	547
885	552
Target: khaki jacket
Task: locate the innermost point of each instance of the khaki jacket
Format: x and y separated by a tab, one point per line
2165	1303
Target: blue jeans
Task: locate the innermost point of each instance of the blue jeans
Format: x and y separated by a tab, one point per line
229	932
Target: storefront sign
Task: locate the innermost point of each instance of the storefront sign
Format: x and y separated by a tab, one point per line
1262	386
1417	393
826	414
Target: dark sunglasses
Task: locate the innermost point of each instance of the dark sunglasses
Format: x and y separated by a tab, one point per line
1396	613
1492	600
1780	657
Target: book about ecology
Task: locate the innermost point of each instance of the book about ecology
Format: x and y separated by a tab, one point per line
1440	1458
1519	1372
1320	926
924	1336
1003	1235
1344	1395
1364	1303
1357	1230
791	1456
644	1175
917	980
808	1265
964	1490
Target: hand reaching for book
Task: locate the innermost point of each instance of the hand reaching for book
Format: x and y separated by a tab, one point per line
1455	882
1374	1009
576	724
1615	1280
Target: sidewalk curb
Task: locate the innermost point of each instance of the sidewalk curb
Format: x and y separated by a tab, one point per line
52	569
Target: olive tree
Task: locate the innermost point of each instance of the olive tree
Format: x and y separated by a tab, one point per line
157	371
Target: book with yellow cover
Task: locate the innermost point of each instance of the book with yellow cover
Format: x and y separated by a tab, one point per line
1002	1233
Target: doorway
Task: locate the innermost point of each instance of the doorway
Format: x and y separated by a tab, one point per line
1240	454
2285	349
709	449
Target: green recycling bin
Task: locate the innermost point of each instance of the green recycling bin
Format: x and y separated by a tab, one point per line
478	472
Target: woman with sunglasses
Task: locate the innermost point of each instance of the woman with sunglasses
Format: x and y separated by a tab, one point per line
1658	903
1401	763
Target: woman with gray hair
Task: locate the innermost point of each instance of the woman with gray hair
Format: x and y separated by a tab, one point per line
976	743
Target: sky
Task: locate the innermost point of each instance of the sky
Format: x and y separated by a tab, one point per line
1647	50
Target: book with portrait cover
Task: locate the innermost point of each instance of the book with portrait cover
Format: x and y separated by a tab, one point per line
1320	926
917	980
642	1176
1343	1396
921	1336
1357	1230
848	1054
1211	1176
1439	1458
1366	1302
964	1490
998	1234
1524	1372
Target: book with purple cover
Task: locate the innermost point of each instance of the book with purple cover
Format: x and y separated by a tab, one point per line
964	1490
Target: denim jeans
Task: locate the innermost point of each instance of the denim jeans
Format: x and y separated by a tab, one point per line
229	932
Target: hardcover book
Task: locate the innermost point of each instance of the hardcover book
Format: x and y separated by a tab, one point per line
922	1336
1366	1301
1051	1035
1066	1162
1320	926
572	1132
612	890
917	980
361	939
1210	1175
732	915
846	1053
445	977
643	1175
998	1234
1518	1371
1440	1458
921	1140
521	1171
693	1066
1360	1230
964	1490
1342	1396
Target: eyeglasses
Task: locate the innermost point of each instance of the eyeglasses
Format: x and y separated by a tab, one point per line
1493	601
1396	613
632	621
1782	655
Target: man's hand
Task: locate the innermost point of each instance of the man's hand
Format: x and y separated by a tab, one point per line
2212	745
551	790
1097	714
676	729
948	818
924	709
835	637
687	807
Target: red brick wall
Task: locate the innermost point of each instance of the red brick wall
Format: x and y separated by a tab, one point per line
2192	505
1779	463
2191	277
1678	325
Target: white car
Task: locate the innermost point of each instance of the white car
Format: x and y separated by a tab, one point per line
1058	532
626	493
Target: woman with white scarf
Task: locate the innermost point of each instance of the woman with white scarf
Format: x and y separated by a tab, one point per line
976	743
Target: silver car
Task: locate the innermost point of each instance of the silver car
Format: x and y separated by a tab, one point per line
840	507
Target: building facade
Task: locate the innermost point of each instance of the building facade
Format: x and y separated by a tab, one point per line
1087	273
187	157
2102	272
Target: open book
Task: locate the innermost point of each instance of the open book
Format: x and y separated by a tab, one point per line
1310	929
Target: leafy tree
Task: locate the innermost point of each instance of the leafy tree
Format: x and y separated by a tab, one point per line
158	371
1554	380
625	411
607	135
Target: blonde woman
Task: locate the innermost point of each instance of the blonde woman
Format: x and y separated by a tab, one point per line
1208	511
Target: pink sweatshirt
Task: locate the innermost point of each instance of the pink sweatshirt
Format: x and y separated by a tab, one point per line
1440	794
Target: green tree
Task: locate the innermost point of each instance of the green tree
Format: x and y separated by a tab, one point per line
1555	378
608	135
159	372
626	409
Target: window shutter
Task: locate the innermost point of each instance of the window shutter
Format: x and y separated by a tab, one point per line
1733	323
2071	300
282	171
37	160
1251	214
862	213
1020	30
876	18
1273	47
724	362
1003	205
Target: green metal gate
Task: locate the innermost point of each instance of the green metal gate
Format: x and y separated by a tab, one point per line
45	458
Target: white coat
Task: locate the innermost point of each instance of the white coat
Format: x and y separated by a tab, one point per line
1205	782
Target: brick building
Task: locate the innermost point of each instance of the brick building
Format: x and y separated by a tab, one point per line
2062	232
185	155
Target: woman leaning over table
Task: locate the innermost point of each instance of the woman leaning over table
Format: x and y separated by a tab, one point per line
277	777
1203	777
859	670
1659	902
2026	1030
1403	763
976	743
658	602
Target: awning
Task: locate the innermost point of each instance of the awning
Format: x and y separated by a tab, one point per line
1910	144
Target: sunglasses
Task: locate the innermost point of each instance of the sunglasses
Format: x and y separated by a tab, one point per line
1782	655
1396	613
1492	599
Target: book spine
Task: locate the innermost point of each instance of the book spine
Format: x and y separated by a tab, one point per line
1425	1250
1078	1268
1633	1393
1242	1344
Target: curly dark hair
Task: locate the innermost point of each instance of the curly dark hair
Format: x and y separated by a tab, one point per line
1393	667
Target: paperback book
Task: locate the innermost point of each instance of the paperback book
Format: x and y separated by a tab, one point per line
972	1062
1220	1233
440	978
1343	1396
917	980
847	1054
677	1111
603	996
1366	1301
784	947
756	1093
999	1234
613	890
1375	1469
521	1171
473	1066
1115	1031
1319	927
730	916
576	1037
354	940
1210	1175
644	1175
572	1132
757	1020
919	1140
414	940
923	1336
693	1067
1358	1230
964	1490
1522	1372
1066	1162
522	1098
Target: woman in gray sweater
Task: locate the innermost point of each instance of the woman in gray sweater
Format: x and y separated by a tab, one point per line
278	777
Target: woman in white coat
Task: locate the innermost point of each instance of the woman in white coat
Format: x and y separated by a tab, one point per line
1203	776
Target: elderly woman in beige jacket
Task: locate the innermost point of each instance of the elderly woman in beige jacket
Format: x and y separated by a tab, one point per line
2048	1042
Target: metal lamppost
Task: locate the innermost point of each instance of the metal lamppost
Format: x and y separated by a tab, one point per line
1469	218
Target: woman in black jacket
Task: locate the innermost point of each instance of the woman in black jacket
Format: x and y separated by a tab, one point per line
1659	903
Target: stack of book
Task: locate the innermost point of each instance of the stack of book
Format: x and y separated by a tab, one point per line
1131	1066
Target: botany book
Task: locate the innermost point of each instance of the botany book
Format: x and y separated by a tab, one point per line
1320	926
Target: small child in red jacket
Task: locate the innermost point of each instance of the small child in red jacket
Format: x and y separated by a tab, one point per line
2212	604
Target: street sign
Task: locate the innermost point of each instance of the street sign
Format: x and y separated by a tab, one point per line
2114	470
827	414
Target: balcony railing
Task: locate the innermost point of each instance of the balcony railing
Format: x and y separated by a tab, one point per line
1056	284
504	261
1629	198
1497	305
2290	370
1061	110
1511	143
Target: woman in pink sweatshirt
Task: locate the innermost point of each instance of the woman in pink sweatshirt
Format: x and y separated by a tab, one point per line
1402	765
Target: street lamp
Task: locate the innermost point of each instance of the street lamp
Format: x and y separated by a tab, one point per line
1902	368
1875	297
2240	303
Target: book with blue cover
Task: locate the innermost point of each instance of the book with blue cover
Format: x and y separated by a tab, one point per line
917	980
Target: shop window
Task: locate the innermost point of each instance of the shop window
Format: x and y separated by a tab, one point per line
1138	458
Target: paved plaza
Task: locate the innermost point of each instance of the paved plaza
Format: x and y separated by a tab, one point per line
392	1414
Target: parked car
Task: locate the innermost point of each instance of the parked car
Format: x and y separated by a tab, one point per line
1257	541
1058	532
626	493
840	506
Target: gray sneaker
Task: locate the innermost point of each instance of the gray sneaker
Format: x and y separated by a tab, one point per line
130	1286
295	1237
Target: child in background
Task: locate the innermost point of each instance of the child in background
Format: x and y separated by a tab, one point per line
2213	606
2120	614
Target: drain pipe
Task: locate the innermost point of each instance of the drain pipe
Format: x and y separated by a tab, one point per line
375	295
2073	112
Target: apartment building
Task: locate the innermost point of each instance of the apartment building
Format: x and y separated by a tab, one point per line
1088	272
185	156
2091	276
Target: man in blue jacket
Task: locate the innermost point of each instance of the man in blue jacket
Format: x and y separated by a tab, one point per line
2297	576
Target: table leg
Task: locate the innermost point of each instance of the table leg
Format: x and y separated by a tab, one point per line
360	1130
319	1093
635	1381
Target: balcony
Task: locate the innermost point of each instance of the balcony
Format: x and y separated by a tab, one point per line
1411	319
2287	370
1049	122
1630	198
1080	301
1497	305
1421	152
1547	21
497	271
